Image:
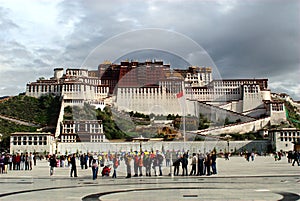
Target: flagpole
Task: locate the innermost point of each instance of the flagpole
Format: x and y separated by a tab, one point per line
184	112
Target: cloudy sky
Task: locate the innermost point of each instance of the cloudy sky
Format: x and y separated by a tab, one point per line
244	38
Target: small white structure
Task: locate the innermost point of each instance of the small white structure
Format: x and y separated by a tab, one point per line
82	131
32	142
283	139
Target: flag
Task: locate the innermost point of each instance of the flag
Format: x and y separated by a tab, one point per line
179	95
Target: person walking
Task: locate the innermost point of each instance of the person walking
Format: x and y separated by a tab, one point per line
290	156
94	168
52	163
296	158
73	166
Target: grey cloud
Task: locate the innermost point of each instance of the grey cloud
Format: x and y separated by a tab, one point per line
6	24
245	39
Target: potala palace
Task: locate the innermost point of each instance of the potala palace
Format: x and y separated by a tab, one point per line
152	87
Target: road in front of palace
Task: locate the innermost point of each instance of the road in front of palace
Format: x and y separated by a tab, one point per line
237	179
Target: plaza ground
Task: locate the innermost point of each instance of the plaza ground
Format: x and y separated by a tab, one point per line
261	179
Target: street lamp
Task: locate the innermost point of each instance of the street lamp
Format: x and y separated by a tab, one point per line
227	137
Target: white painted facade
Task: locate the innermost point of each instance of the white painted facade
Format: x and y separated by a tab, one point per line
239	99
282	139
32	142
192	146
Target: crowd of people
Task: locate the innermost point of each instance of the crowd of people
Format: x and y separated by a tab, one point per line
23	161
137	164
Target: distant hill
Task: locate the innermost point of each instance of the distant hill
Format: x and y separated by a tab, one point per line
43	111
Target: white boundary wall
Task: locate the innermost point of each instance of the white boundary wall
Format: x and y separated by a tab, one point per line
195	146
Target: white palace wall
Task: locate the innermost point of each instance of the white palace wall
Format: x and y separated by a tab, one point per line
195	146
149	102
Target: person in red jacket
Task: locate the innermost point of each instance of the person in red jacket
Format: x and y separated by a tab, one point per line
18	161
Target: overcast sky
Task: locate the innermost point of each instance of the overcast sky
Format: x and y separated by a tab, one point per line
245	39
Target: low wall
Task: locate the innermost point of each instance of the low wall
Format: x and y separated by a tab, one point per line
240	128
196	146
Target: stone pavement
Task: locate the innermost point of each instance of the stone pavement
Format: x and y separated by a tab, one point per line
237	179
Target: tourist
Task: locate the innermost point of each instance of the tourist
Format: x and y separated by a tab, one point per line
116	163
82	159
128	160
106	170
34	159
248	155
176	165
86	158
184	163
194	163
135	164
1	163
214	162
94	169
290	156
14	162
91	158
26	158
296	158
279	155
73	166
168	156
10	159
18	161
157	162
6	158
160	158
147	162
69	160
62	160
208	163
30	160
200	164
22	163
252	156
275	156
141	160
52	163
226	156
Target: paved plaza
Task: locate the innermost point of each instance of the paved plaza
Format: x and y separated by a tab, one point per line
237	179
